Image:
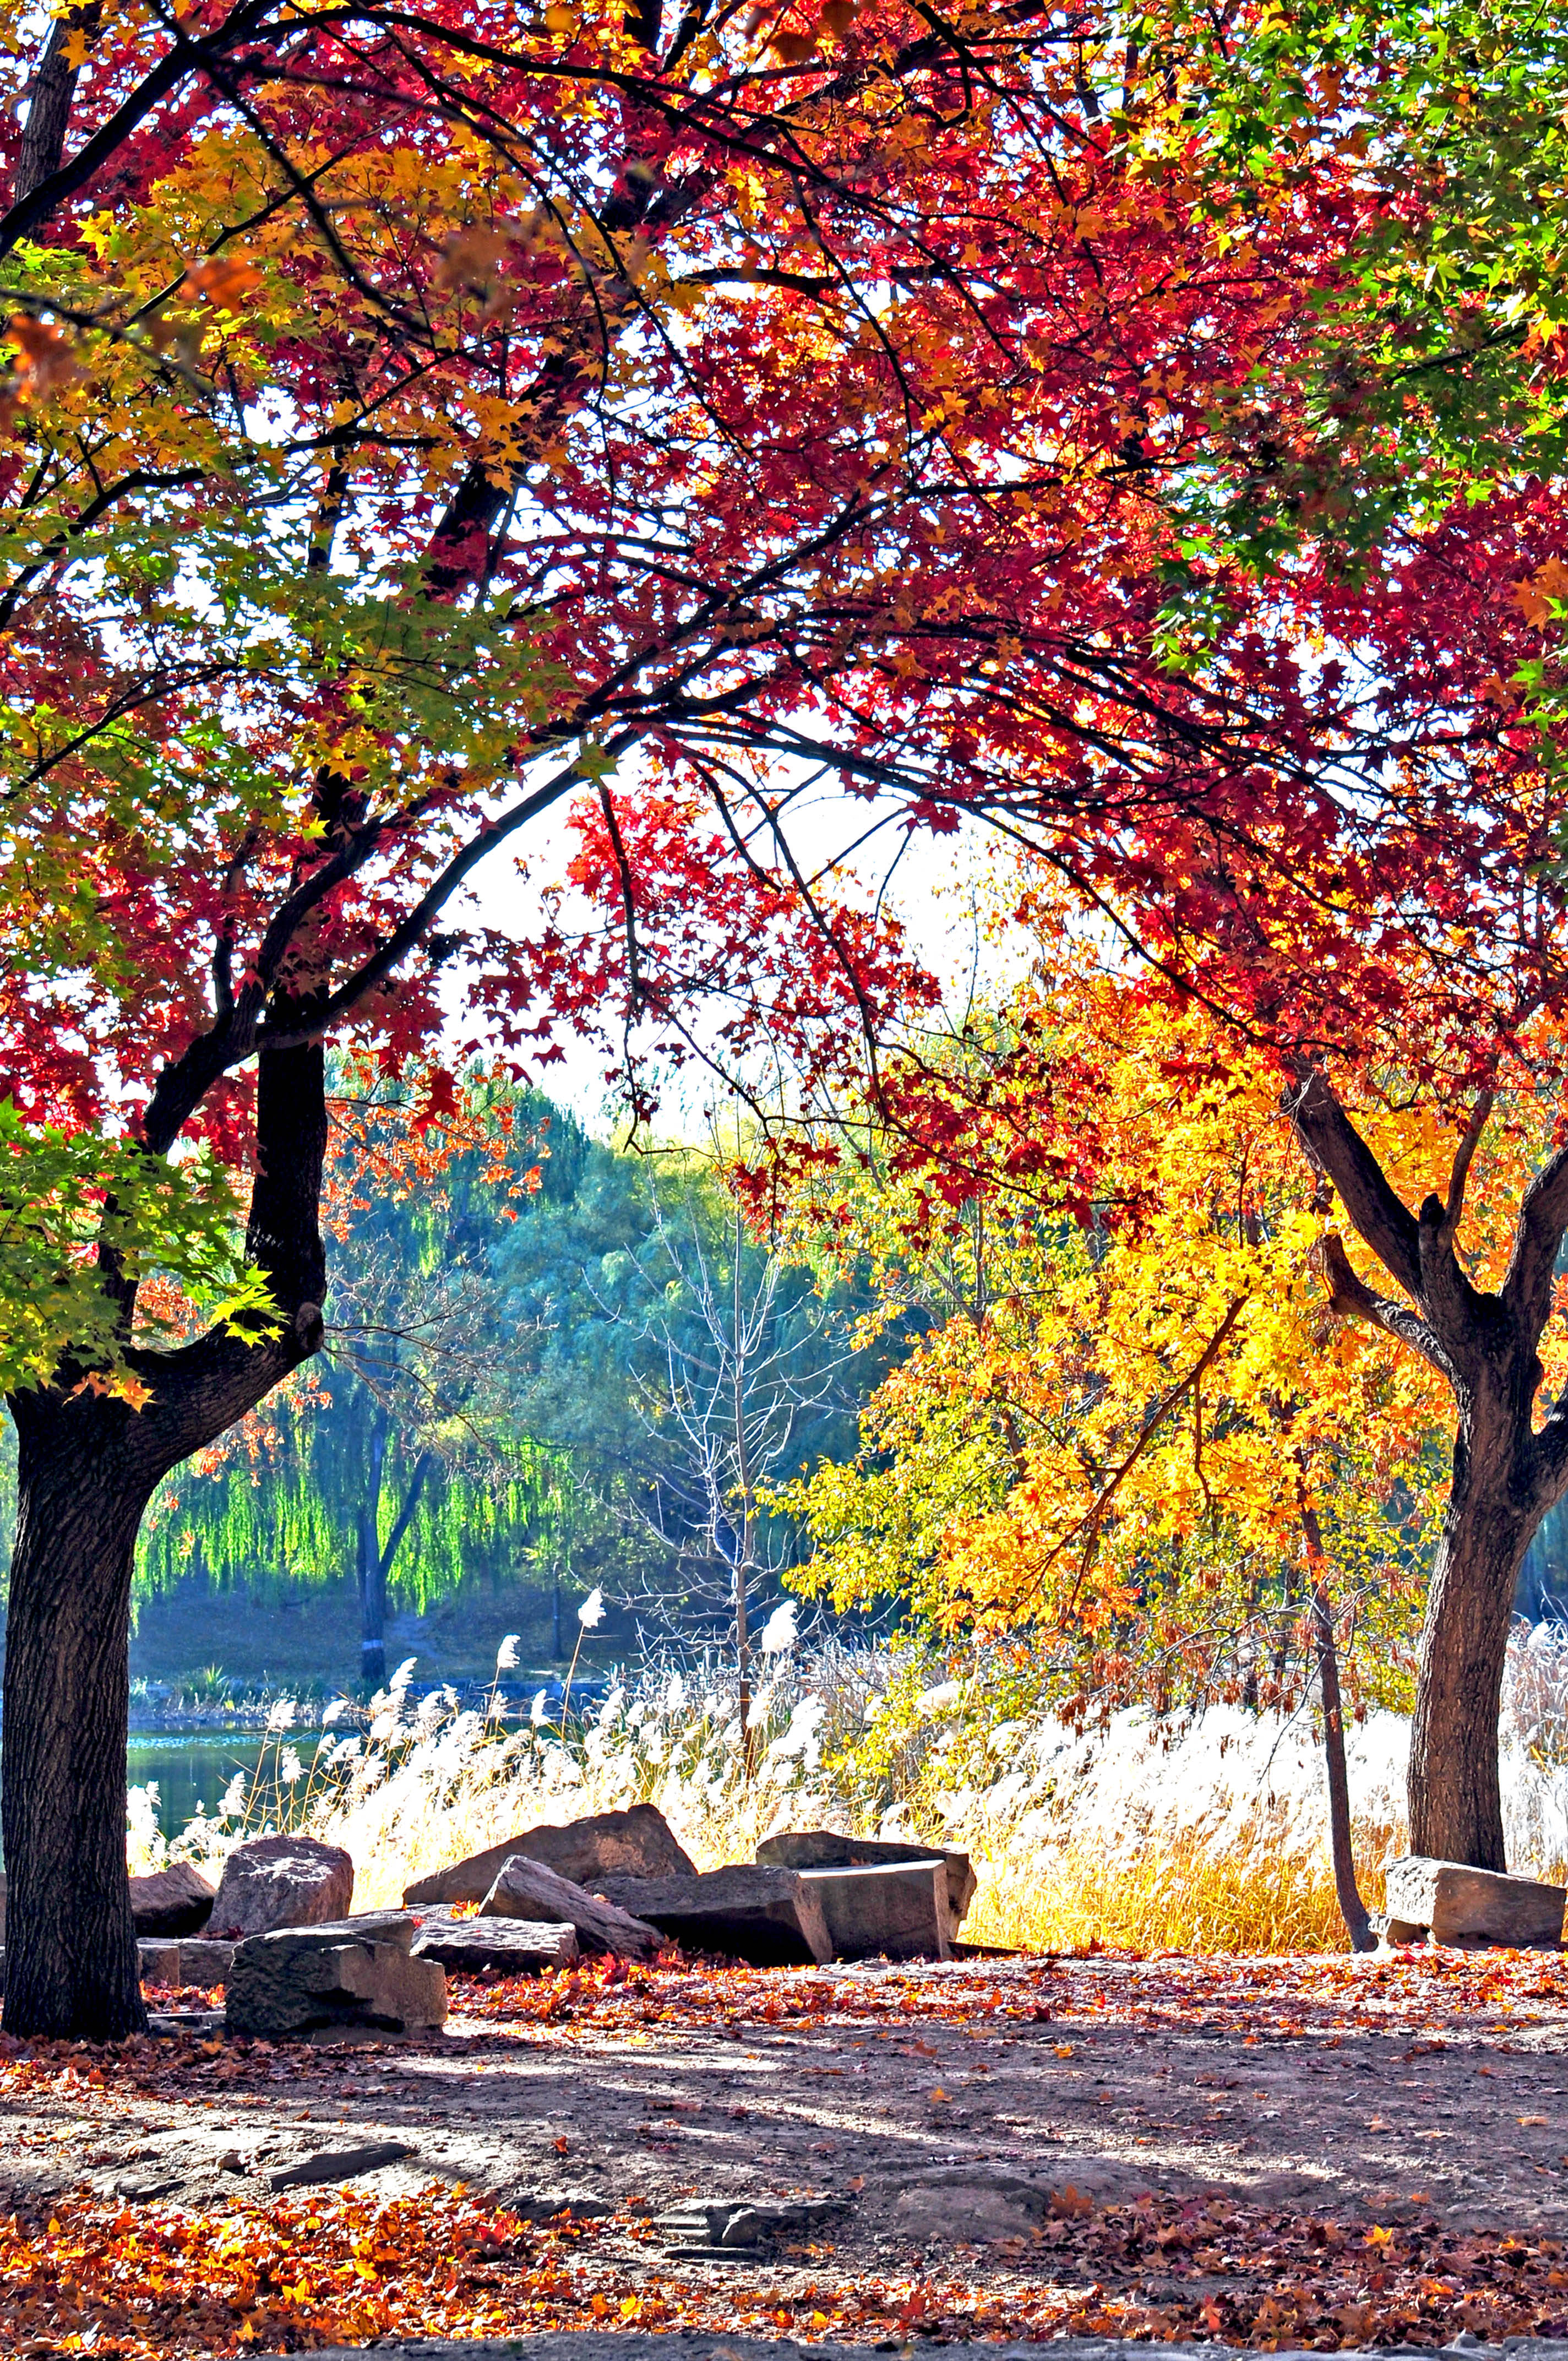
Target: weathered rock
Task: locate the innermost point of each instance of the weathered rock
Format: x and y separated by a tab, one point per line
635	1843
770	1916
527	1889
1470	1906
897	1910
322	1983
205	1960
992	2201
825	1849
173	1901
474	1946
547	2204
339	2164
278	1881
731	2227
195	1962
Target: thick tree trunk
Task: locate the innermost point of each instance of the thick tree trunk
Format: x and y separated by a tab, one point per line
1455	1801
1510	1465
70	1957
88	1463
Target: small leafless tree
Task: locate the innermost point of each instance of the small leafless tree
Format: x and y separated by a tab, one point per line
744	1362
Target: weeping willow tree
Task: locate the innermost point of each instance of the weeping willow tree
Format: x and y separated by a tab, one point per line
407	1458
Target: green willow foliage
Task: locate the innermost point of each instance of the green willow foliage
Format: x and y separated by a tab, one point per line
457	1334
498	1373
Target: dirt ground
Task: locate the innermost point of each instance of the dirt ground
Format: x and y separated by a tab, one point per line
989	2117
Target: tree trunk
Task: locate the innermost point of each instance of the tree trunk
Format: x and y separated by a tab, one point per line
372	1571
1456	1808
88	1463
1510	1467
70	1956
1351	1909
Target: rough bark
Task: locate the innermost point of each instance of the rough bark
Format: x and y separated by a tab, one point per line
1509	1465
71	1959
88	1463
1456	1799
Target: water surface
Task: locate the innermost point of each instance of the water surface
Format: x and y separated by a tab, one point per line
194	1767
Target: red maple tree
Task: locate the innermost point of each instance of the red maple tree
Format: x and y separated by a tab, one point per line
420	415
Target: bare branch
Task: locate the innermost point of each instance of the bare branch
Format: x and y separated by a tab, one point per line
1470	1139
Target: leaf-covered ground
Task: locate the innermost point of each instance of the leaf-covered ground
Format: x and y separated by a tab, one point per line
1269	2152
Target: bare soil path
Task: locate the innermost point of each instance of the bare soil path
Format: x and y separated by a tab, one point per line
1374	2151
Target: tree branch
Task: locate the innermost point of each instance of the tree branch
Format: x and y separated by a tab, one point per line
1335	1147
1544	1216
1352	1299
1470	1139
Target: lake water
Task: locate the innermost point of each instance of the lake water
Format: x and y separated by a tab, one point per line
195	1766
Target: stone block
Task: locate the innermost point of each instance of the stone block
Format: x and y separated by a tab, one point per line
770	1916
278	1881
527	1889
508	1947
634	1843
173	1901
895	1910
989	2200
1472	1906
158	1962
334	2164
205	1960
317	1984
825	1849
191	1963
726	2227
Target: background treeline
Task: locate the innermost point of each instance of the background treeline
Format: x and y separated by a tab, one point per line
538	1348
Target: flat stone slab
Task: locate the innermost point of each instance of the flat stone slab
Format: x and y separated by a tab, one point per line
330	2164
635	1843
732	2229
982	2201
549	2205
531	1890
770	1916
511	1947
895	1910
1469	1906
825	1849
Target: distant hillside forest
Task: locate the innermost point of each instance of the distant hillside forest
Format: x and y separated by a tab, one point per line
549	1364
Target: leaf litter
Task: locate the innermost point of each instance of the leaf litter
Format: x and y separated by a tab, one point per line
345	2265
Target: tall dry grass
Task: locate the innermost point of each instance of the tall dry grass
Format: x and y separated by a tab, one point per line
1209	1835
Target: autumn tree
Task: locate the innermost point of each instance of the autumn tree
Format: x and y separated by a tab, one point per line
1137	1438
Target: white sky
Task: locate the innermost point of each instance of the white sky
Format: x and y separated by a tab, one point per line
934	891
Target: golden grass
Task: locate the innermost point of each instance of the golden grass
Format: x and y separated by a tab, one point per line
1182	1892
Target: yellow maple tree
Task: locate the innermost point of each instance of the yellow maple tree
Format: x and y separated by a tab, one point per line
1136	1432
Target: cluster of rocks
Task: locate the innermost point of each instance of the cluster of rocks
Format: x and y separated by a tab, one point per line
278	1934
624	1886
